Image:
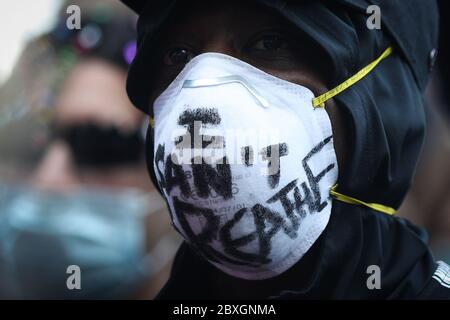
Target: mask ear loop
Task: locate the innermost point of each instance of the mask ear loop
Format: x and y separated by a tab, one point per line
319	102
375	206
151	122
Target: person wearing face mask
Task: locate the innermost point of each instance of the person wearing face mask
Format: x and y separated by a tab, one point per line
86	205
284	136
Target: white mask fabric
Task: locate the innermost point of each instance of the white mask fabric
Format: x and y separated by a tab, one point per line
246	164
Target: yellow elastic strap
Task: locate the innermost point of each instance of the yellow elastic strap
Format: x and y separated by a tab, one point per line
151	121
375	206
320	100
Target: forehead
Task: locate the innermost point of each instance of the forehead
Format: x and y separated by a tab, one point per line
94	89
231	15
92	82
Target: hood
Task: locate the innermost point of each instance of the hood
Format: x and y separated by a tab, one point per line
384	112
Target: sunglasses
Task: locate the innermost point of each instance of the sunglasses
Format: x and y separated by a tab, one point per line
97	146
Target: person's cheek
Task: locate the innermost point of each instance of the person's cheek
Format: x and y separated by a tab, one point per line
157	86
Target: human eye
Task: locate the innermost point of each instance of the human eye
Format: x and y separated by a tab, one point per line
271	42
178	56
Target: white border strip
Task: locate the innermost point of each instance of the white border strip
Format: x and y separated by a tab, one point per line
442	274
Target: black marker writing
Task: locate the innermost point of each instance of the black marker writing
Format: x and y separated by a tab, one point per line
296	199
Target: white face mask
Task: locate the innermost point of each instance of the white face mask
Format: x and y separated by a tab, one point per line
257	213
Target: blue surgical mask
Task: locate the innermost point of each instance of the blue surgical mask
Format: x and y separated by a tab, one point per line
101	231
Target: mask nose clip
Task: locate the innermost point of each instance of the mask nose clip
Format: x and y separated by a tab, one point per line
210	82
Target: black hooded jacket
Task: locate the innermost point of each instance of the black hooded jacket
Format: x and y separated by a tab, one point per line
385	116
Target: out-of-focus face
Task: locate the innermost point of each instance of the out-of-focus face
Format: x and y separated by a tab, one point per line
93	93
251	33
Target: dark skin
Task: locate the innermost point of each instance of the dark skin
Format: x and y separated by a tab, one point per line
262	38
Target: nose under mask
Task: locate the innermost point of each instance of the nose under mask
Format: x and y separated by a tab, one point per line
246	164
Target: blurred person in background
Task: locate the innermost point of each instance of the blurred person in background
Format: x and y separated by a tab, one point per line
74	189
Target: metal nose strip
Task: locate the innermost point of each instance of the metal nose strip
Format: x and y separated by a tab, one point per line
209	82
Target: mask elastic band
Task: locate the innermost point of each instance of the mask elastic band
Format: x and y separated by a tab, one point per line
319	102
375	206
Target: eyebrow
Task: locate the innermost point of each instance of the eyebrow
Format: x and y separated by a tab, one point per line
177	33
